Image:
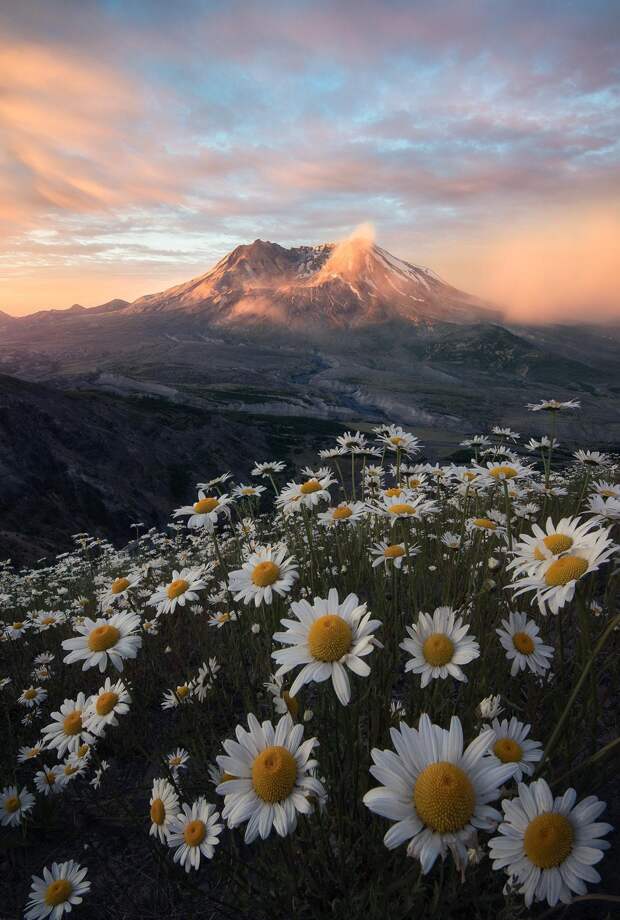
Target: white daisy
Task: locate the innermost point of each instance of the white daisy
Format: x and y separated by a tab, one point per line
265	571
308	493
490	707
181	589
177	760
391	554
594	458
554	580
436	793
164	806
14	805
511	745
326	637
550	845
494	473
113	639
29	753
244	491
282	700
102	709
194	832
118	589
46	619
49	780
272	781
553	405
33	696
268	468
205	511
568	535
67	732
397	439
344	513
61	888
405	506
604	509
523	645
439	645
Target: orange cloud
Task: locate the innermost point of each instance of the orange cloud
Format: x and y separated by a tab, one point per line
558	266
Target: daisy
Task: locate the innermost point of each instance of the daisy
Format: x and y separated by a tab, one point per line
164	806
591	458
60	889
119	589
29	753
439	645
177	760
490	707
396	438
71	768
243	491
282	700
485	524
511	745
406	506
272	781
550	845
46	619
494	473
205	511
268	468
14	805
569	534
606	489
436	793
67	732
308	493
182	589
344	513
49	780
523	645
33	696
17	629
173	698
222	618
553	405
265	571
110	701
604	509
326	637
112	639
194	832
555	580
390	554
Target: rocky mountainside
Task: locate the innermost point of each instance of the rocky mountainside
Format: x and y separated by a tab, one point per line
353	283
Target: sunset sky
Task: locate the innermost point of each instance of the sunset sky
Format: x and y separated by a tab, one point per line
141	140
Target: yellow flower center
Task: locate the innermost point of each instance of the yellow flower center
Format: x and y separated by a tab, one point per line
158	812
12	804
568	568
119	585
329	638
607	493
415	483
47	621
72	724
548	840
30	694
50	778
83	750
508	750
248	491
274	773
556	543
402	508
265	573
18	625
205	505
291	703
103	638
523	643
444	797
311	486
438	649
339	514
58	892
485	523
393	492
182	691
469	476
396	439
194	833
503	472
69	770
106	702
177	587
393	551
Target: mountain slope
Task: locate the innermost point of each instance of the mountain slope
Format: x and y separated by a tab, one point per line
353	283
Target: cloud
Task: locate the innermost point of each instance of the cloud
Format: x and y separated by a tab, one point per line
137	142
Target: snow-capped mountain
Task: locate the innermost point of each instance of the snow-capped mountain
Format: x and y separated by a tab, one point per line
352	283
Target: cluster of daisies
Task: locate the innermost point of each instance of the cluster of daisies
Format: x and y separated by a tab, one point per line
232	574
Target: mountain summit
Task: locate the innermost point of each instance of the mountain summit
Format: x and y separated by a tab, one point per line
348	284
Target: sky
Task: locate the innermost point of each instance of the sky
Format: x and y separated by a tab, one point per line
141	140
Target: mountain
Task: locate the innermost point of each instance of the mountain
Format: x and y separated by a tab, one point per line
348	284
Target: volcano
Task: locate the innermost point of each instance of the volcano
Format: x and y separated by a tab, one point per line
349	284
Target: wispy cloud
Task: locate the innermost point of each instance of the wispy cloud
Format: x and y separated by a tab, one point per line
140	143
